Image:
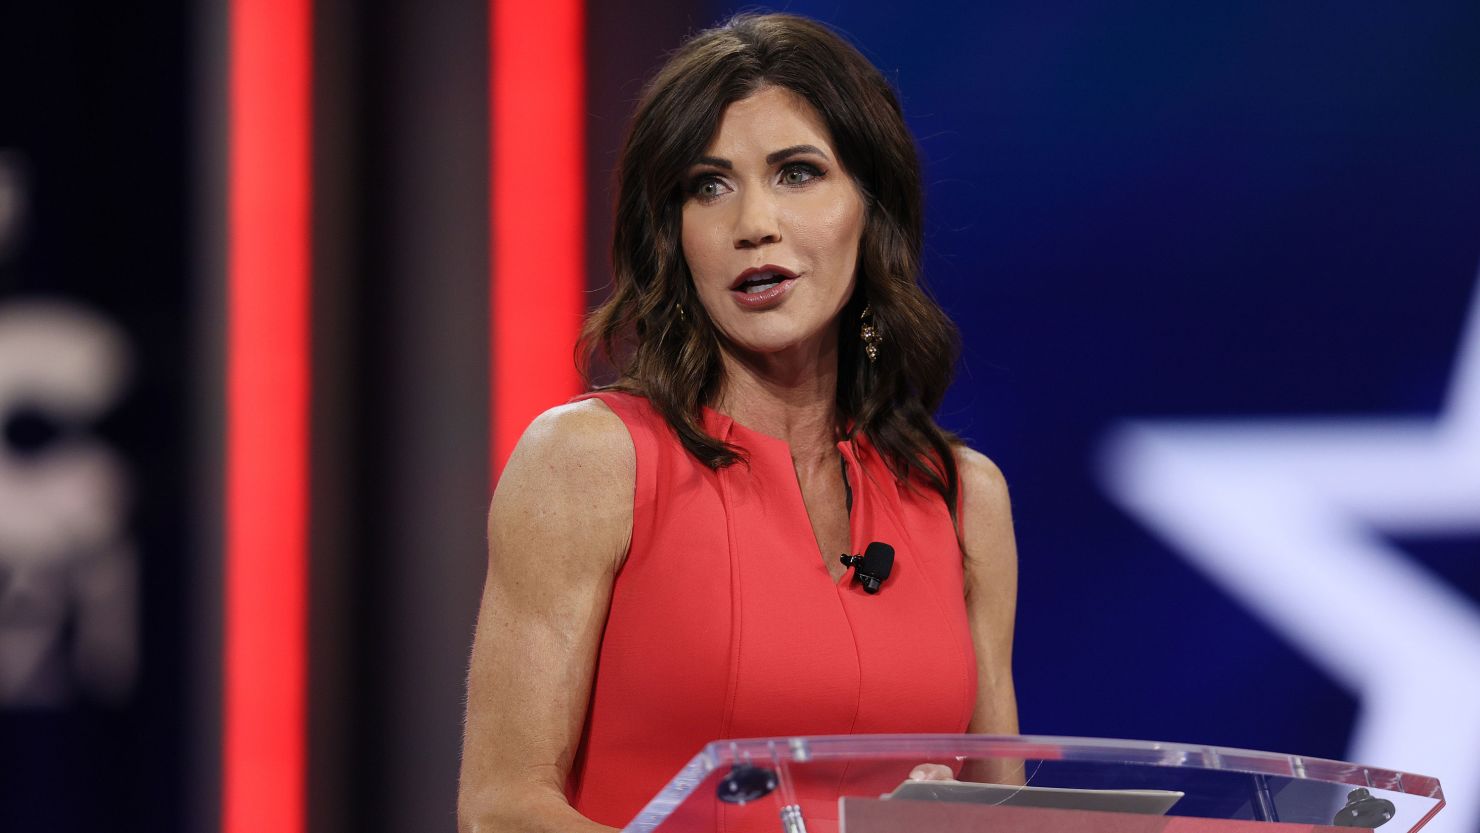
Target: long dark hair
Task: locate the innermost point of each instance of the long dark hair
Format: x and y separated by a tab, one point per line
653	329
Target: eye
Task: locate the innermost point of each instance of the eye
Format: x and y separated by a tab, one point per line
706	187
799	173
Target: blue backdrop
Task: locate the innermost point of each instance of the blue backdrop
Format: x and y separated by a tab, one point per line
1202	212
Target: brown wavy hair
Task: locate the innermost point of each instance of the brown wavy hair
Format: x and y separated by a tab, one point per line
653	330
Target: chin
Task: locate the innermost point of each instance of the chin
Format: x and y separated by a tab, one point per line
769	342
772	332
764	348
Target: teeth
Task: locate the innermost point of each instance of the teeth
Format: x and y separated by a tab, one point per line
761	282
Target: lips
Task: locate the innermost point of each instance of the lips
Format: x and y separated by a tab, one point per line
762	287
760	278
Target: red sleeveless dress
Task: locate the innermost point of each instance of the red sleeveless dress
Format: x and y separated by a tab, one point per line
725	623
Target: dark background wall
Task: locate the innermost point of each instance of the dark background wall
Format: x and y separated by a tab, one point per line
96	571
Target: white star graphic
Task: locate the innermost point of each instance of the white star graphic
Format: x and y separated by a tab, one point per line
1286	516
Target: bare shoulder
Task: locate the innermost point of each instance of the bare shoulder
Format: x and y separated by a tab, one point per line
570	479
985	517
983	486
583	435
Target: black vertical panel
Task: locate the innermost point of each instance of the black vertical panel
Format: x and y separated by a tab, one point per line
93	114
204	510
336	499
420	468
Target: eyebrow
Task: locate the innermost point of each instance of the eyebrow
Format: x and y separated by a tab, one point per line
771	158
794	150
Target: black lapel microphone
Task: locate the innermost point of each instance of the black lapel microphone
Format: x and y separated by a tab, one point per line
871	568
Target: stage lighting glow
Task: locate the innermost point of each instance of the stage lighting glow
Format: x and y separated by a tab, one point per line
538	188
267	396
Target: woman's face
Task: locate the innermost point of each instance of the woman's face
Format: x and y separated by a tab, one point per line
771	226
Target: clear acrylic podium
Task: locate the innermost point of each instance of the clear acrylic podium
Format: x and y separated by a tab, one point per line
1050	785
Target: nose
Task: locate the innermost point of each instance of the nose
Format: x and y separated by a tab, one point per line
756	225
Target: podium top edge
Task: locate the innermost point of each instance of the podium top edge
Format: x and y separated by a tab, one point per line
1072	749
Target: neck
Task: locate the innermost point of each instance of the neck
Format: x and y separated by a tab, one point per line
790	395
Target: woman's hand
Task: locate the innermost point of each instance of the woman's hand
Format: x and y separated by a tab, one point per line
1007	771
932	772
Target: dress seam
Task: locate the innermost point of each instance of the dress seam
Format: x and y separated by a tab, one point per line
732	694
733	684
840	589
968	665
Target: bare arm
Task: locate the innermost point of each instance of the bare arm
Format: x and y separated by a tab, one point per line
558	529
991	590
991	604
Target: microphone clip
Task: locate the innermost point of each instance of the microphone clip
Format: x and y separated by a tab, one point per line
871	568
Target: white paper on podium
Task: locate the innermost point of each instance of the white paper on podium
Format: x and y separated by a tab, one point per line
1147	802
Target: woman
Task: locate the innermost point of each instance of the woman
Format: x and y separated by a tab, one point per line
664	553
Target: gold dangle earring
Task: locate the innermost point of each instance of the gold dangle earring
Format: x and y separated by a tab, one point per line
870	334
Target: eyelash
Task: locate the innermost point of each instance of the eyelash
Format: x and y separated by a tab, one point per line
812	171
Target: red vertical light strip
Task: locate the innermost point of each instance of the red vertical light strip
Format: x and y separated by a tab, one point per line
267	379
537	204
